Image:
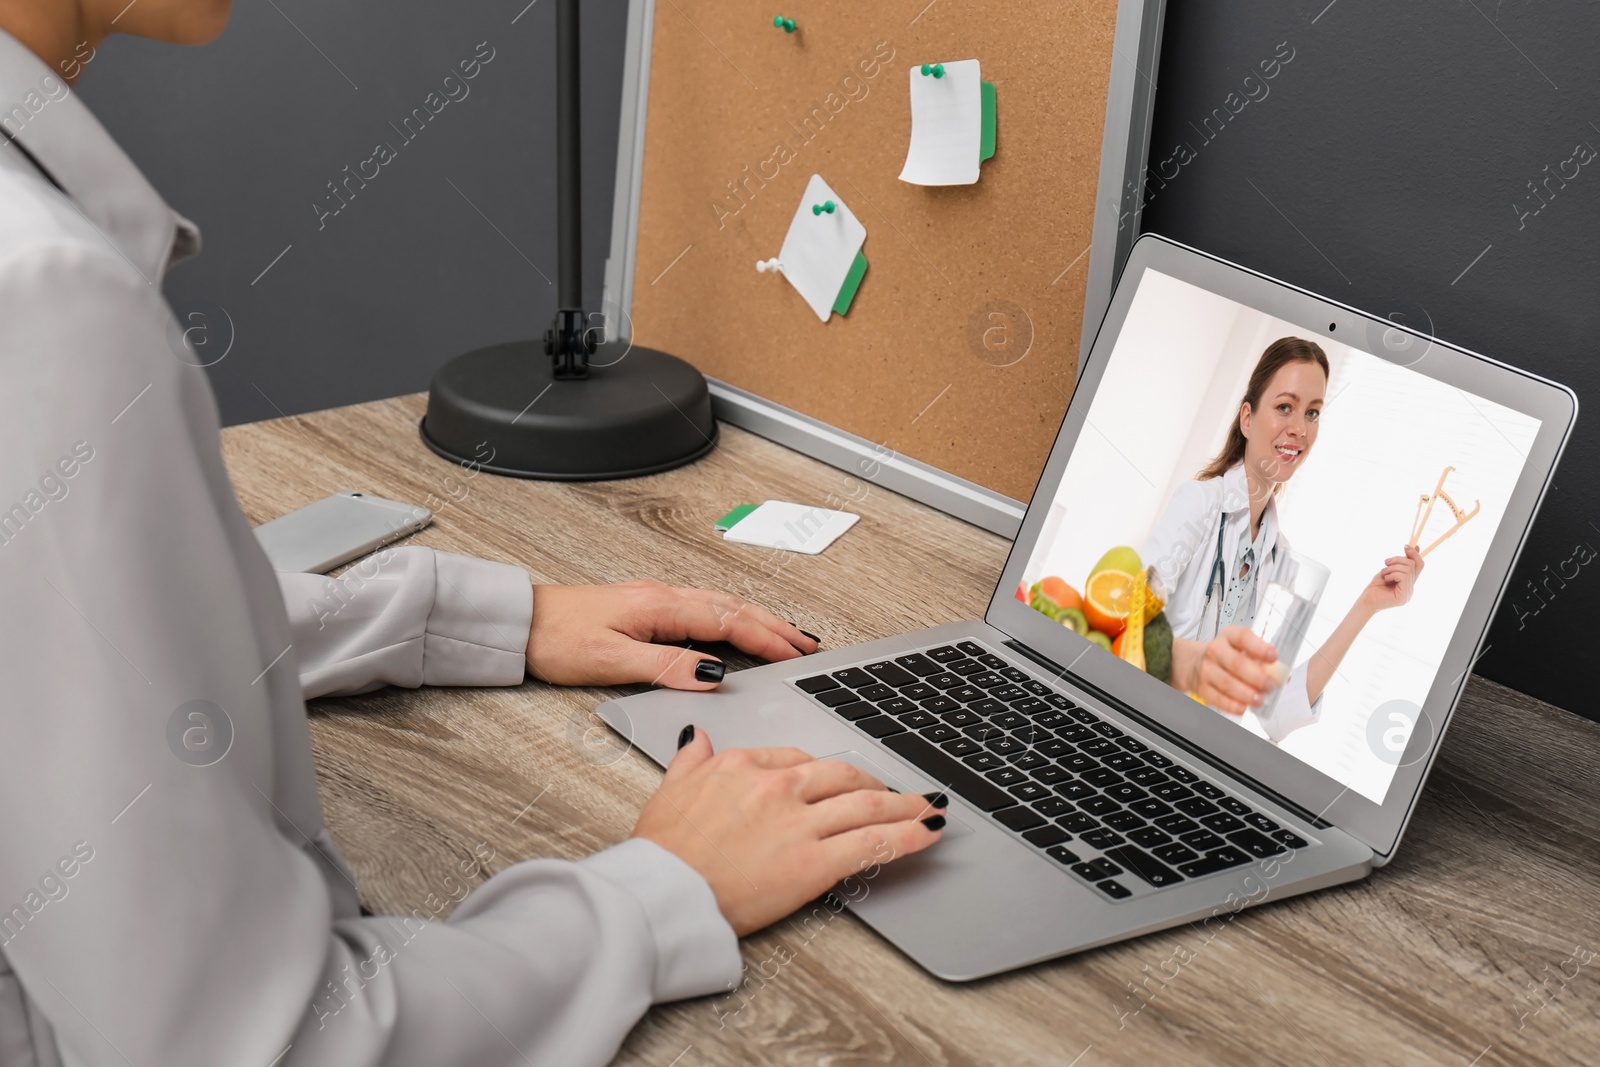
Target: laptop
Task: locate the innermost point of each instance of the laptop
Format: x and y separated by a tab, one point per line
1091	800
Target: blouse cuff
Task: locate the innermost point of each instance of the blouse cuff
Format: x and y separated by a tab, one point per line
696	951
477	631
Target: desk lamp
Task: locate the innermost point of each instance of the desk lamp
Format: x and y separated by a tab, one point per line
574	407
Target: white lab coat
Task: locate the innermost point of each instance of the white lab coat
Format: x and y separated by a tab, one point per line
157	912
1183	546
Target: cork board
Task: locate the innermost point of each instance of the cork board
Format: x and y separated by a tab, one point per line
961	346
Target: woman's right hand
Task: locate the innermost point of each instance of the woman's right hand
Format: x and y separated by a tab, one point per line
772	828
1234	671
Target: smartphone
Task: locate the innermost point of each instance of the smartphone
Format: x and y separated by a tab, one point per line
337	529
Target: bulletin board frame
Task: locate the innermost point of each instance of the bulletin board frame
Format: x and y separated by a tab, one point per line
1130	100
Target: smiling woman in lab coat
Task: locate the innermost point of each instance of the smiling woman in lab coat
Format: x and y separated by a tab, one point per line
155	911
1218	545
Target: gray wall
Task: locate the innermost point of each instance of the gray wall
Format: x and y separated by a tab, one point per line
1384	161
243	135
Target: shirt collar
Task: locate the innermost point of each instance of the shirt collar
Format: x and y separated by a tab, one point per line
102	182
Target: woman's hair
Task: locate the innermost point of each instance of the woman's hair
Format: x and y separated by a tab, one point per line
1283	351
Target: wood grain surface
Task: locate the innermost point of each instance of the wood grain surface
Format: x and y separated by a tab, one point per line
1476	946
974	294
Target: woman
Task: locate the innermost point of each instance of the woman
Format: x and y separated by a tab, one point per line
157	912
1218	546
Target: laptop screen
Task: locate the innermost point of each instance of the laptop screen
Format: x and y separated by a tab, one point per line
1238	475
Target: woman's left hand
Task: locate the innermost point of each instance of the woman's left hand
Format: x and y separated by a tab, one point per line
607	634
1393	585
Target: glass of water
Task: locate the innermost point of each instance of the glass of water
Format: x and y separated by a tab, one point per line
1287	607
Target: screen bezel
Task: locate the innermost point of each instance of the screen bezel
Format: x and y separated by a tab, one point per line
1379	826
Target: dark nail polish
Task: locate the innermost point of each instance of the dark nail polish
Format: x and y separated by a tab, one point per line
813	637
710	670
686	735
934	822
937	800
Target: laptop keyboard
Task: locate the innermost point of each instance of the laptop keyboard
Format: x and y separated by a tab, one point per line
1101	803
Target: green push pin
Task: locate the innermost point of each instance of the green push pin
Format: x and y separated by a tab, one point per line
817	209
786	25
936	69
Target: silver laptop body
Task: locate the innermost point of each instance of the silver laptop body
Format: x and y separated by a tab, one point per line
1037	864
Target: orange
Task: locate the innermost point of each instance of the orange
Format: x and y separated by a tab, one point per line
1107	597
1116	646
1059	591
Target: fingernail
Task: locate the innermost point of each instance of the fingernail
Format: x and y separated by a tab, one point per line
934	822
938	800
813	637
686	735
710	670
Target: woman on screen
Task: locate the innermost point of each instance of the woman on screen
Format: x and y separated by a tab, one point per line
1218	545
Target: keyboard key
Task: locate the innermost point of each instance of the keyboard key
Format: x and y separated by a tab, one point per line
875	692
1028	761
1059	701
1075	789
1096	869
890	673
1171	792
834	697
854	677
945	653
1209	791
986	680
1053	747
1074	732
1101	839
1175	852
1204	840
1006	776
919	691
1150	808
1004	745
860	709
1261	822
961	746
1029	705
1105	729
918	719
949	772
1117	761
1015	674
1288	837
1077	822
1222	823
1133	744
939	734
1007	692
1100	777
1234	806
1216	860
1124	821
1183	774
1157	759
972	648
965	693
1045	836
1097	746
880	725
1148	836
965	667
1019	819
939	703
1051	806
1083	715
1050	719
1050	774
945	680
1098	805
1032	734
1009	720
1177	824
1114	889
984	761
988	707
1062	854
983	731
1146	776
1036	687
1257	844
960	717
1126	792
1144	865
817	683
1195	806
917	664
1029	791
897	705
992	661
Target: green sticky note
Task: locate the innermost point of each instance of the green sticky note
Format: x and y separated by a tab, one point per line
852	282
727	521
986	141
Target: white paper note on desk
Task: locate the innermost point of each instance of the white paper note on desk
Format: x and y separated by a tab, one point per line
819	250
793	527
946	125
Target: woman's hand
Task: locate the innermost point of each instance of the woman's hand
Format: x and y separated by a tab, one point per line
1233	672
771	828
1393	586
606	634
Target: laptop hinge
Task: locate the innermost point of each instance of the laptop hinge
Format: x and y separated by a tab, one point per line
1175	738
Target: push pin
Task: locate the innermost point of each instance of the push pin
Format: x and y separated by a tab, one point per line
817	209
786	25
766	265
936	69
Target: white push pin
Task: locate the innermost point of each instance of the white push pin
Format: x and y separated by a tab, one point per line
765	265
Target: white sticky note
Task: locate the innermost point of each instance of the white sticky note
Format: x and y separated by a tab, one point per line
819	250
946	125
792	527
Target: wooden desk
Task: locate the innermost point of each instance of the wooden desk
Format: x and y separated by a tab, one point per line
1429	961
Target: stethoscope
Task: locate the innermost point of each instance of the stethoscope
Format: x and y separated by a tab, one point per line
1219	574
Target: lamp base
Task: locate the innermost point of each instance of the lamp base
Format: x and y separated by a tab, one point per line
501	409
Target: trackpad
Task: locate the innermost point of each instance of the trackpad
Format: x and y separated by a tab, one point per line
954	827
